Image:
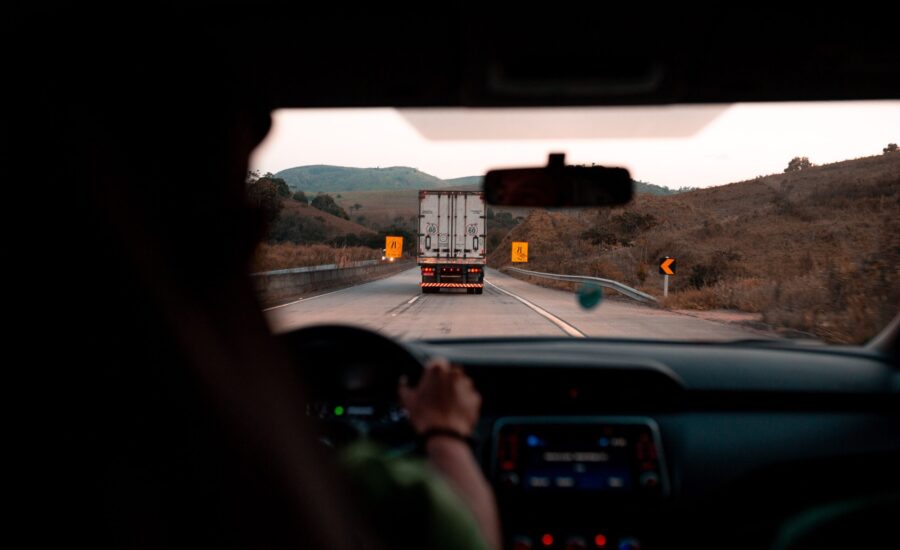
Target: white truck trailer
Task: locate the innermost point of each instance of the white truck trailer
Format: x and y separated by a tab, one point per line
451	252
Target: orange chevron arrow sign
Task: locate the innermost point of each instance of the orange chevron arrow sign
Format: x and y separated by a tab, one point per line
667	266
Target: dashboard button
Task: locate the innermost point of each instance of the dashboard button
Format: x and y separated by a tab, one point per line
576	543
629	543
509	479
522	543
649	480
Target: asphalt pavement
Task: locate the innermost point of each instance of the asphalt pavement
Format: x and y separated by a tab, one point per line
395	306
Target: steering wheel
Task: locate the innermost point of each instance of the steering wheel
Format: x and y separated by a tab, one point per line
351	377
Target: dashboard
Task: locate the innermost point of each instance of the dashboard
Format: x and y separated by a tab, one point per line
648	444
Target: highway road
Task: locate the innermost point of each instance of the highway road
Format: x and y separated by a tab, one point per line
395	306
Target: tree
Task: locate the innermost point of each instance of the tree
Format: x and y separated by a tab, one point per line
356	206
300	196
280	185
891	148
296	229
797	164
325	203
398	221
263	194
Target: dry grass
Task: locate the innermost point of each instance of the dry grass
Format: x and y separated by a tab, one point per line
286	255
381	207
816	251
752	295
333	225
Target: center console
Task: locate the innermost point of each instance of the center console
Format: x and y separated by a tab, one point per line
577	482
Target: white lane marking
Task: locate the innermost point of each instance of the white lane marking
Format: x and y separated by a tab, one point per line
564	326
284	305
308	299
411	300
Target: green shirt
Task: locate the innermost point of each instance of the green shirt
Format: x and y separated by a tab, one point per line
410	504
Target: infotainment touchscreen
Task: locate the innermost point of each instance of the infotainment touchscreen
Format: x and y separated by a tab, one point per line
594	455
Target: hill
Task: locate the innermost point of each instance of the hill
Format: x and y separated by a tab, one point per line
381	208
473	182
333	225
653	189
816	250
377	208
302	235
301	223
324	178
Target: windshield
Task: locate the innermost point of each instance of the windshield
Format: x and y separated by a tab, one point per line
749	221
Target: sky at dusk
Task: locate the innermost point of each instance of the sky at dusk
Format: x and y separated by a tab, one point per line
675	146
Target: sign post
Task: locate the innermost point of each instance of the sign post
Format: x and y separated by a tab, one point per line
666	268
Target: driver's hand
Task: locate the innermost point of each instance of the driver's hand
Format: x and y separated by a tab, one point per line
445	398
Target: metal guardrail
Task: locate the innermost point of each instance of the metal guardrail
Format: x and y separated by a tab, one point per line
632	293
325	267
282	284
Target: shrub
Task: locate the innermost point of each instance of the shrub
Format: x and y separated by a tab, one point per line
264	195
797	164
325	203
297	229
269	257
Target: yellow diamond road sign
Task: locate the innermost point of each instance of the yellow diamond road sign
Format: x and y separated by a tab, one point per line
393	247
519	252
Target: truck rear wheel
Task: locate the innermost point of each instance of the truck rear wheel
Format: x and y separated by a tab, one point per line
479	290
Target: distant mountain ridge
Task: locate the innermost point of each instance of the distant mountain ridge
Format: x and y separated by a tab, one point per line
324	178
653	189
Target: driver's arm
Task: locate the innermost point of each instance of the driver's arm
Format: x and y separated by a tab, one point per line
445	398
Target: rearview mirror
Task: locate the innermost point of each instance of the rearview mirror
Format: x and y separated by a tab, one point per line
558	185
